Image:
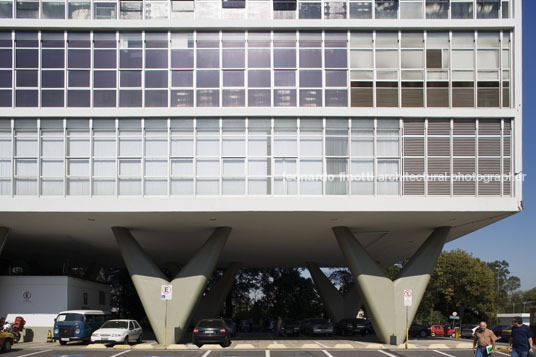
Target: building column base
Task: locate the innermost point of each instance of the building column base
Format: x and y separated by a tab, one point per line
383	297
169	318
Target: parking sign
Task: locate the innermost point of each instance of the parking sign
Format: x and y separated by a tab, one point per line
408	297
166	292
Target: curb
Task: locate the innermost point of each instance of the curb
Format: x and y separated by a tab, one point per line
97	346
176	347
122	347
276	346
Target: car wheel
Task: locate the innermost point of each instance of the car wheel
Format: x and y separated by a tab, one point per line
63	343
140	338
125	342
422	334
7	346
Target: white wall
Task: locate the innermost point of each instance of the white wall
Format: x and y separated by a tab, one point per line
76	290
48	294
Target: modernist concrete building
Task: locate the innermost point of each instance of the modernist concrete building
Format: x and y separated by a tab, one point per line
318	133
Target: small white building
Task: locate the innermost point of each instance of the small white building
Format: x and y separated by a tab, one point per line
506	319
40	298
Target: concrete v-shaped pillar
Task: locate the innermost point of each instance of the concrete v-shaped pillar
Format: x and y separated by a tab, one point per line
339	306
169	318
4	231
383	297
211	304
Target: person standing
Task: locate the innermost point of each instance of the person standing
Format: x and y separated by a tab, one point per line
521	339
484	337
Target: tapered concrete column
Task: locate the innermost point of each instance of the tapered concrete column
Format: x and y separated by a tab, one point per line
4	231
339	306
211	304
383	297
169	318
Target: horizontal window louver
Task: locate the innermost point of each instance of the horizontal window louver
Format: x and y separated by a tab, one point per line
438	177
507	149
489	127
414	127
463	94
439	127
414	168
489	167
413	146
507	170
387	94
464	127
489	146
412	94
464	169
438	146
507	127
361	97
463	146
488	94
437	97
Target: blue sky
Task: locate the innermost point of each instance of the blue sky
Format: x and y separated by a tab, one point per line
514	239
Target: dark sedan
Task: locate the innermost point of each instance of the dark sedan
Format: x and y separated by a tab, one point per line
419	330
350	327
214	331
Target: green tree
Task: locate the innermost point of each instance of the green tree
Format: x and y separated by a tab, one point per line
459	282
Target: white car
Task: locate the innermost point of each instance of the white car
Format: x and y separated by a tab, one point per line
118	331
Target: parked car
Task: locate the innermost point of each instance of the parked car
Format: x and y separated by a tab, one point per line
290	328
77	325
317	327
350	327
506	333
419	330
118	331
498	329
6	341
232	326
468	331
442	330
213	331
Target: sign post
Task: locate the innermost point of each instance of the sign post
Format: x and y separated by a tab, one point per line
166	293
408	302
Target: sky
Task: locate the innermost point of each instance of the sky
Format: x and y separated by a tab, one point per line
514	239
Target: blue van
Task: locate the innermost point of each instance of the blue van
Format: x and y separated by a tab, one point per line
77	325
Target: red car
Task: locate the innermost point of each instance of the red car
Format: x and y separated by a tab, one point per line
439	330
6	341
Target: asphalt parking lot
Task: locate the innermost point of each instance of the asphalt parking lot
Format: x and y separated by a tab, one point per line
54	352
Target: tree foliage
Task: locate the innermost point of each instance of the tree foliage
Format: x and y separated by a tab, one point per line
461	283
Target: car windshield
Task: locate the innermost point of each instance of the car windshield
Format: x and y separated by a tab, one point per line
210	323
115	324
69	317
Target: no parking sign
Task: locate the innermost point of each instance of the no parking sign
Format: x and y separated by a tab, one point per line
166	292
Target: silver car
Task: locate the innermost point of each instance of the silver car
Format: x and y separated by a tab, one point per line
118	331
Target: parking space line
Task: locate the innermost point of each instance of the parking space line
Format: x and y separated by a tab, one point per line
321	344
120	353
267	353
327	353
386	353
34	353
443	353
502	353
205	355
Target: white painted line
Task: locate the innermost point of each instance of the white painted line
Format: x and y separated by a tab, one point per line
120	353
267	353
321	344
34	353
327	353
501	353
443	353
205	355
386	353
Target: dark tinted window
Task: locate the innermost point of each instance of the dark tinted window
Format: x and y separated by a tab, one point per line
210	324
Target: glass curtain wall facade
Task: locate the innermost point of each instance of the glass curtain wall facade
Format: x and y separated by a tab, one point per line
384	108
371	69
